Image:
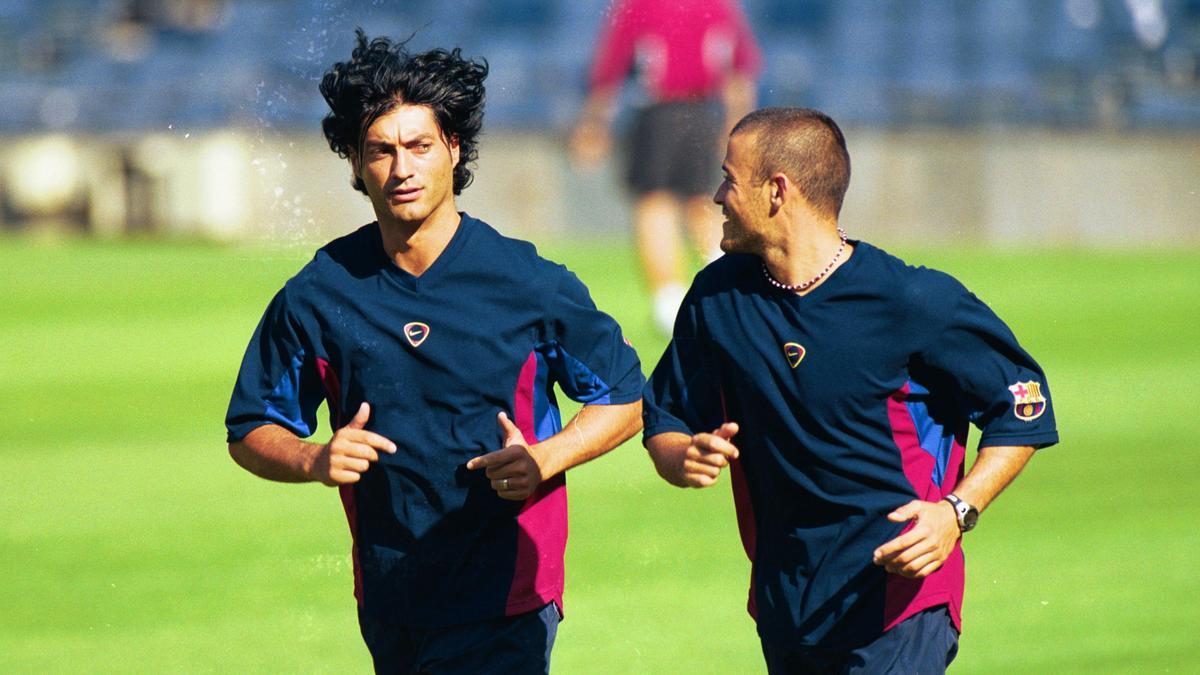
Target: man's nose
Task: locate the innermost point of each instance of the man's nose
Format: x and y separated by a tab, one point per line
402	168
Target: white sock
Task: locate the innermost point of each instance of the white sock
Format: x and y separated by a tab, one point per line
666	306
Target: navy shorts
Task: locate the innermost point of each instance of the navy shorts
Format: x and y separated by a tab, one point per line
514	644
675	147
922	644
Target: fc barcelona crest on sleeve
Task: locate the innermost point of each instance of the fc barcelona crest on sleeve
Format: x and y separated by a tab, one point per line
1028	402
794	353
416	332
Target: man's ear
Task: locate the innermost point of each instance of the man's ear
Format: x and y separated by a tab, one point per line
781	189
452	142
354	166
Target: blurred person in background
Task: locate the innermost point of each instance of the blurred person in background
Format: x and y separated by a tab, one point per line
696	62
434	340
837	384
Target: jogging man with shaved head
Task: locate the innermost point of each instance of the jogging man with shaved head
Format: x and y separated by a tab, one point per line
836	384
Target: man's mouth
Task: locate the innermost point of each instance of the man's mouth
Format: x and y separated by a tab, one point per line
408	194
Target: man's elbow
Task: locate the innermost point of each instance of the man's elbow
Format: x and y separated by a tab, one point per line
622	420
633	420
239	453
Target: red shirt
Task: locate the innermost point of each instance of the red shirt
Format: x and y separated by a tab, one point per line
683	49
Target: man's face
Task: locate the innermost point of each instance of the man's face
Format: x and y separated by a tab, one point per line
744	201
407	165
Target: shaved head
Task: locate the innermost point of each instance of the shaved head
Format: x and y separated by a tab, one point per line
807	146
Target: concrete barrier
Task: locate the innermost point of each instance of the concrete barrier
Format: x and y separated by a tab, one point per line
1001	188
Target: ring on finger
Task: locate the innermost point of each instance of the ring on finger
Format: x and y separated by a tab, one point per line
504	485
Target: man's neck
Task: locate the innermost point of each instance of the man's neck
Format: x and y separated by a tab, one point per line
414	247
810	250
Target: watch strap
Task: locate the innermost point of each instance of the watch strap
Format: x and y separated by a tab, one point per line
966	513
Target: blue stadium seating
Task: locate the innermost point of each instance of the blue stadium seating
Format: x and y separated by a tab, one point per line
869	62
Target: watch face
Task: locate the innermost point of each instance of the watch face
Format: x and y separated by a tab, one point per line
967	514
969	519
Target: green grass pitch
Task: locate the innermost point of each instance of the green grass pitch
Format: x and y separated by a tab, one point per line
129	542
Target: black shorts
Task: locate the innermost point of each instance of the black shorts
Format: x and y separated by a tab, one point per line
924	643
514	644
675	146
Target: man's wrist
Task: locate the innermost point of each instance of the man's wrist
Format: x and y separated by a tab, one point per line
670	465
307	459
668	451
966	513
667	464
543	457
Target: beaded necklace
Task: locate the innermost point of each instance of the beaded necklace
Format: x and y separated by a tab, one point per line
796	288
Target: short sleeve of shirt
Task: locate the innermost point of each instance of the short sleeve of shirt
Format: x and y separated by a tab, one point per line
683	393
587	354
614	54
278	382
1003	388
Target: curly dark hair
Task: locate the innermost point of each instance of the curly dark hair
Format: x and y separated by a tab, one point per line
382	74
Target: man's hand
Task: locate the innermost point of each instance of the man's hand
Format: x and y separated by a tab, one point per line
707	455
591	139
921	550
513	470
349	453
590	143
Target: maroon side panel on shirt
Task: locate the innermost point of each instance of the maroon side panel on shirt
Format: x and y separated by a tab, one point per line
542	522
333	393
906	597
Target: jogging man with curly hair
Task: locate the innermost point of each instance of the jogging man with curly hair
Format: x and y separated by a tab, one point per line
436	343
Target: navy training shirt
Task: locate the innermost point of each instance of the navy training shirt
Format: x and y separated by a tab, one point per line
489	327
852	400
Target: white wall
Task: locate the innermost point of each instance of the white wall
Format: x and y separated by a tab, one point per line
929	187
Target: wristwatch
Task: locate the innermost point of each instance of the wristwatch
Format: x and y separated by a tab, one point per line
967	515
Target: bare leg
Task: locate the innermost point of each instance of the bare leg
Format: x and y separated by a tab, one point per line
655	224
704	225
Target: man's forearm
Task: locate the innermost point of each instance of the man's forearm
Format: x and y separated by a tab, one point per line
737	95
993	470
599	108
595	430
667	451
274	453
